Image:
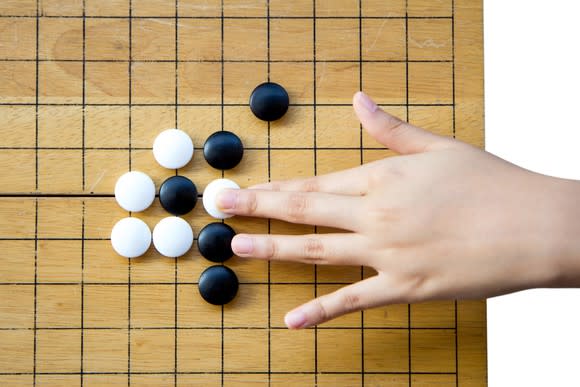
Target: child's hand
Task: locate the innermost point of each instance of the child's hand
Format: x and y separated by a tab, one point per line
446	220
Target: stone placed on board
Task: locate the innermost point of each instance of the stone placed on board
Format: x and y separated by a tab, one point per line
173	148
130	237
223	150
218	285
210	194
134	191
172	237
269	101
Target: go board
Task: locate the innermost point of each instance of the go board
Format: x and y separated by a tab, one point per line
86	85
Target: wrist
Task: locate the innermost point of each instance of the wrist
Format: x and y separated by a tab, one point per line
562	229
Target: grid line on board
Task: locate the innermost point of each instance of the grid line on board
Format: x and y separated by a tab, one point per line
231	17
222	111
360	86
147	148
83	97
42	60
35	283
315	148
130	129
36	92
82	291
268	68
36	143
230	373
453	123
233	328
409	341
176	267
211	104
148	283
83	173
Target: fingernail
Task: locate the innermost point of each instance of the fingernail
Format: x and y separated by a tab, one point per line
226	199
295	319
367	103
242	245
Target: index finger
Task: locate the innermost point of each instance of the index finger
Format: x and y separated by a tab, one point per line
314	208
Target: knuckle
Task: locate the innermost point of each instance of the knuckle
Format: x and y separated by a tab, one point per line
275	186
272	249
396	125
314	251
250	203
415	288
297	207
310	185
323	314
350	301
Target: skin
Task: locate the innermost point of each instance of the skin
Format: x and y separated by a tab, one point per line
444	220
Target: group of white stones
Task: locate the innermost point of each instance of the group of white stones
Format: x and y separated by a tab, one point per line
135	192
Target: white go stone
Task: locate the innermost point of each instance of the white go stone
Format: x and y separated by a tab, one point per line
172	237
173	148
135	191
130	237
210	194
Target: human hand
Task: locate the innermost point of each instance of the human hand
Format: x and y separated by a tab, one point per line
445	220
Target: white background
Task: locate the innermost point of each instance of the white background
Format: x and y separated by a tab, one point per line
532	81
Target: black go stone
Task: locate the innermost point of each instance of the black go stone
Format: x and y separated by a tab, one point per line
178	195
218	285
269	101
215	242
223	150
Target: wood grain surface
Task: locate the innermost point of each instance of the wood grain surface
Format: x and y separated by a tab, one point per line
86	85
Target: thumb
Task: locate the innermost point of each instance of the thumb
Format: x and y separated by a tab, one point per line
391	131
358	296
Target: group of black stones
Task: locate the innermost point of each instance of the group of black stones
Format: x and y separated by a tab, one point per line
223	150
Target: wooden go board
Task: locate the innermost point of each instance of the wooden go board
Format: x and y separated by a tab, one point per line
86	85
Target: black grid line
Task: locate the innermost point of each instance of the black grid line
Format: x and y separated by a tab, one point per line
362	273
84	97
130	81
268	53
216	328
48	60
82	290
453	122
315	153
230	17
50	239
36	143
213	104
53	195
176	271
146	148
36	92
130	124
143	283
453	64
35	283
407	118
228	373
222	111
